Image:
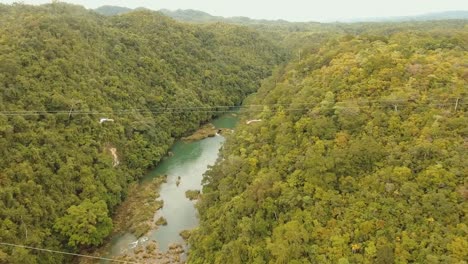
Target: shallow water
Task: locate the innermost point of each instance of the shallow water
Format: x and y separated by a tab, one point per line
189	162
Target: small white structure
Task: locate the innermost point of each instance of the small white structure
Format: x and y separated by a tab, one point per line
102	120
253	121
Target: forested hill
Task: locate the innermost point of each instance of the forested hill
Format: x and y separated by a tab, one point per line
358	156
62	69
190	15
108	10
459	14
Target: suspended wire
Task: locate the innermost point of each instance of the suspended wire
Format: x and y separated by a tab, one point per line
229	109
67	253
244	106
400	100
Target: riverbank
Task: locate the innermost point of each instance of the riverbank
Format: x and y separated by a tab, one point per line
206	131
135	215
150	254
136	237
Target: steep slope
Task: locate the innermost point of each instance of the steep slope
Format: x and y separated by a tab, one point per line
358	156
62	70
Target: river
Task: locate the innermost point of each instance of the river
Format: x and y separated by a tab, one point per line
189	161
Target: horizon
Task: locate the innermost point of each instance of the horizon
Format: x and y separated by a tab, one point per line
293	11
352	19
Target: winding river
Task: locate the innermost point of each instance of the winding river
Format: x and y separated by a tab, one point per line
189	162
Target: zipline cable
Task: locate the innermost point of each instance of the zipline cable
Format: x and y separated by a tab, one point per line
67	253
180	110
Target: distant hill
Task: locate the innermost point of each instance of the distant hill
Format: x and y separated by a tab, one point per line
459	14
191	15
109	10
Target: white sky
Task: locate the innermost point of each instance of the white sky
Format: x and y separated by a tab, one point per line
292	10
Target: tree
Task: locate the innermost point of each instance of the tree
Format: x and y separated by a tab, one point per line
370	168
86	224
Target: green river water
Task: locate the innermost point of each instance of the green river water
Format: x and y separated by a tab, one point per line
189	161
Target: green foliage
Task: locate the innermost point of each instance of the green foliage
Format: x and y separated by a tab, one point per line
364	163
192	194
68	67
161	221
136	213
360	156
185	234
108	10
86	224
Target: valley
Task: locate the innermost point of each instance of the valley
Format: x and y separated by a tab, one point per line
135	137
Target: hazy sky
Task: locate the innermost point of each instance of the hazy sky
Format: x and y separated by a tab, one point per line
293	10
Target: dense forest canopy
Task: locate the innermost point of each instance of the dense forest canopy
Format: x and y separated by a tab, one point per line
62	69
358	156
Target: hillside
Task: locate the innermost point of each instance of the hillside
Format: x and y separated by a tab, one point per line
352	145
197	16
447	15
358	155
190	15
64	71
109	10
